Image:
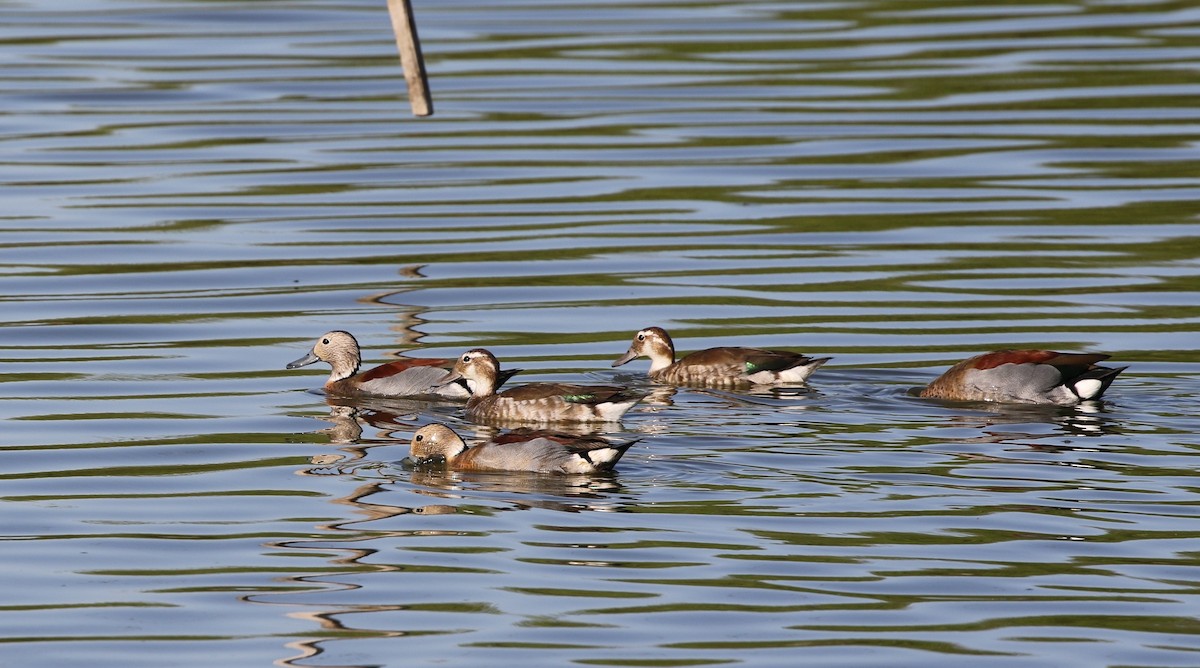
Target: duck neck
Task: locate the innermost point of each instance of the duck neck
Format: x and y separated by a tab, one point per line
343	367
458	447
483	386
661	357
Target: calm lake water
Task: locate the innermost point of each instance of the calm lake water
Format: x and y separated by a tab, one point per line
195	190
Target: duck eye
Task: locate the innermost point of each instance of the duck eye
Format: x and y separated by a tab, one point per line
325	341
641	337
466	358
418	437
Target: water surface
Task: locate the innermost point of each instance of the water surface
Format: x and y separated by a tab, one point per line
194	191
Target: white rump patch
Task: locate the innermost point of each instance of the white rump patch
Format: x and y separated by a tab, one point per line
1088	388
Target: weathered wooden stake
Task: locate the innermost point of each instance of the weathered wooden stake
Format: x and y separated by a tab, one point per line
405	27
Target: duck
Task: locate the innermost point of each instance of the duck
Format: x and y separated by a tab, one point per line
1025	376
729	366
400	378
536	402
535	451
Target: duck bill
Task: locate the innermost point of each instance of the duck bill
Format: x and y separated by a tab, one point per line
454	375
629	355
304	361
417	462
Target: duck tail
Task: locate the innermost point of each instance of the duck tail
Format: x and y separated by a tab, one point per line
1093	383
605	458
504	374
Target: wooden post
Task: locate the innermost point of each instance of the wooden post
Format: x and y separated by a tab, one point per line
405	27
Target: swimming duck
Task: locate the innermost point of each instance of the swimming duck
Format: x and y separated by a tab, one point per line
534	452
718	366
400	378
536	402
1025	376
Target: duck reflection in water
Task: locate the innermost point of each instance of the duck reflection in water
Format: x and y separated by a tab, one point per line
1023	423
345	428
347	418
393	418
571	493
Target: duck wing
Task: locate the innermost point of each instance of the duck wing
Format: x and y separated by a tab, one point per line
405	377
575	394
735	360
400	366
544	455
538	455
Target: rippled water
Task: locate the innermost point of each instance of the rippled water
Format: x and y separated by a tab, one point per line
195	190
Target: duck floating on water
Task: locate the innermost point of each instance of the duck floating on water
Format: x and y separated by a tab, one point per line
400	378
1025	376
535	451
718	366
537	402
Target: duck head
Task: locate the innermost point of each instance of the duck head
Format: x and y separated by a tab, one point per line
435	441
652	342
337	348
479	368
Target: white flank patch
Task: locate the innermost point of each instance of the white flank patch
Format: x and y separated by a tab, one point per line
1088	388
797	374
604	455
764	377
612	412
598	458
577	464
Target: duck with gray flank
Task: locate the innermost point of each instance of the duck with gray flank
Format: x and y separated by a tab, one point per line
399	378
535	452
536	402
725	366
1025	376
